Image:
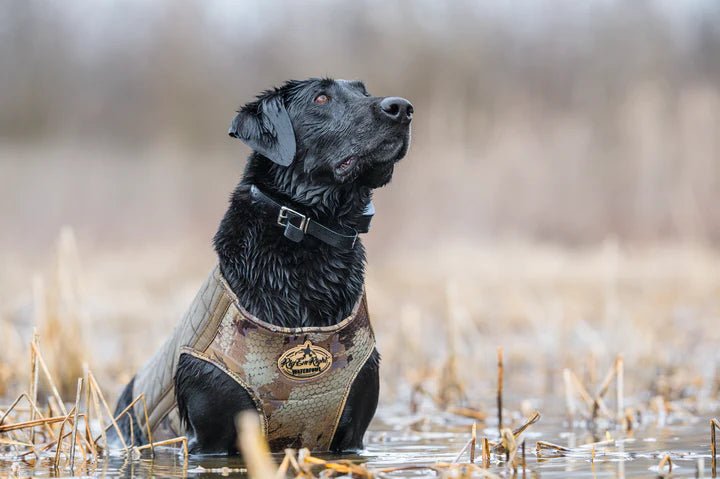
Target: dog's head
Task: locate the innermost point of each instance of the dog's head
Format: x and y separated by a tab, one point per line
327	131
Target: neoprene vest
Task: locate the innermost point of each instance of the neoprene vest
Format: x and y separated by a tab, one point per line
298	378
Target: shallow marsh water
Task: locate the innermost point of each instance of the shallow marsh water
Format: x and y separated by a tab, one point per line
398	439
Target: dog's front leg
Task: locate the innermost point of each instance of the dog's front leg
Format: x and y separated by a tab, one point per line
208	401
359	407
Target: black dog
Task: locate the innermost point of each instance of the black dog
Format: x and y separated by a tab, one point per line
320	147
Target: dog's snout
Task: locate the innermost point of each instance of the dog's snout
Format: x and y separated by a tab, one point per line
397	109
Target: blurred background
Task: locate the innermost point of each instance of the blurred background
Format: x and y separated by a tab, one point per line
560	195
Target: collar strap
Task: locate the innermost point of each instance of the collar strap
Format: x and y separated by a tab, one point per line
297	225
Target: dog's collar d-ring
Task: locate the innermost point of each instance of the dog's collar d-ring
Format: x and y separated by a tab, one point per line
297	225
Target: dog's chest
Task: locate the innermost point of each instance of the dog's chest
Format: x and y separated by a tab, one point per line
297	287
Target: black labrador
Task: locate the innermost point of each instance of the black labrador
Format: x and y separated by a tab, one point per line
320	146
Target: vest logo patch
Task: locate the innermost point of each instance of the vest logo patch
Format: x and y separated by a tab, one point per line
304	361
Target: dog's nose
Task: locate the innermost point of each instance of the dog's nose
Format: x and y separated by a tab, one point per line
397	109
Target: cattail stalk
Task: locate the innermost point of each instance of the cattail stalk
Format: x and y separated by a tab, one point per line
500	389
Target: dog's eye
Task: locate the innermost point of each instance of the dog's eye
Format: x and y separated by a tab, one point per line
321	99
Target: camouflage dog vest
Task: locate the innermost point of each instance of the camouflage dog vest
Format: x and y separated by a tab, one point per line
298	378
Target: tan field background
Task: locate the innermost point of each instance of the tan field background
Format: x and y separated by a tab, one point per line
560	197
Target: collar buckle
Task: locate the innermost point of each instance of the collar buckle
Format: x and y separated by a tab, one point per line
287	215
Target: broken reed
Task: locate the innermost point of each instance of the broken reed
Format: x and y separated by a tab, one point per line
714	427
595	403
59	424
486	453
473	442
666	461
500	389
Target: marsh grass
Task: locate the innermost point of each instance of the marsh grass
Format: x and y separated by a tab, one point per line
553	319
33	436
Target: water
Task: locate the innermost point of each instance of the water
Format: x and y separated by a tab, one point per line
398	439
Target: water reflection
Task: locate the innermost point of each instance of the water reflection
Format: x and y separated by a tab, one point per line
397	439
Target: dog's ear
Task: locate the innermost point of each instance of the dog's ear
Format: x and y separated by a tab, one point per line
265	126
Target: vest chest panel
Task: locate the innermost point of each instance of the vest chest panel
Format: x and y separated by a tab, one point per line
299	378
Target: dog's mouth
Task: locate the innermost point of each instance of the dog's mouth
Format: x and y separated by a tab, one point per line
345	165
386	153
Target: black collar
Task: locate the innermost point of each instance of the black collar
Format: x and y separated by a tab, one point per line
297	225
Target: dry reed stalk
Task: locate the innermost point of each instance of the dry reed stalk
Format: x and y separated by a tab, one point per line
16	444
620	387
167	442
473	432
594	404
132	428
467	412
486	453
50	410
147	424
509	444
126	411
342	467
628	420
29	424
17	409
529	422
462	451
450	387
441	402
85	445
602	390
385	470
284	465
500	388
12	442
254	447
88	436
499	448
58	448
86	369
33	407
88	418
714	425
666	461
86	448
33	450
606	442
582	391
295	465
96	389
35	346
75	423
53	406
33	381
413	399
605	385
305	467
96	405
543	445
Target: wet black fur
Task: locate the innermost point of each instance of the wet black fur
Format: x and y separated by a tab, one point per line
297	162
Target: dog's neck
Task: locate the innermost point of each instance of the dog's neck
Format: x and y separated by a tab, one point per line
329	202
285	283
